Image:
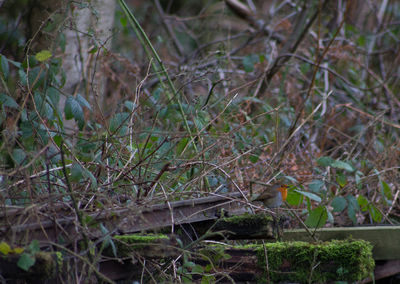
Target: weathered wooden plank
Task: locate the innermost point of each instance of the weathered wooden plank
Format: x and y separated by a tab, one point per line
385	239
22	226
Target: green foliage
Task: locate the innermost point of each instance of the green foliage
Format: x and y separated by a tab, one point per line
182	125
317	217
27	259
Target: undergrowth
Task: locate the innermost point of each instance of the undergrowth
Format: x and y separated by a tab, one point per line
228	111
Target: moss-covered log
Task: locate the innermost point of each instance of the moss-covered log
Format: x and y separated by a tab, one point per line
259	226
385	239
294	261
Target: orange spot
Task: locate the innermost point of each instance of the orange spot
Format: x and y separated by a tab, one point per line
283	190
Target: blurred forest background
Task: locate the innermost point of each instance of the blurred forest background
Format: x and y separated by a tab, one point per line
109	103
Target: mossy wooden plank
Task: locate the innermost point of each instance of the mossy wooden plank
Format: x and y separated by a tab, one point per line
298	262
249	226
135	218
149	246
385	239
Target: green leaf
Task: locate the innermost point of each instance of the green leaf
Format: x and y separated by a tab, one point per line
310	195
249	61
386	191
198	269
342	165
341	179
208	279
69	104
8	101
83	102
5	248
316	186
361	40
254	158
363	202
325	161
317	217
181	145
43	55
330	217
53	96
352	208
73	109
76	172
19	156
130	105
118	122
89	175
4	66
352	201
294	198
375	213
34	247
93	50
339	203
22	76
26	261
43	107
123	21
62	42
358	177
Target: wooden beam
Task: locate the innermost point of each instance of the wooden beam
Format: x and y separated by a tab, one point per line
385	239
22	226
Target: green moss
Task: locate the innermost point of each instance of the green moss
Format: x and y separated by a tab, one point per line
259	225
249	219
136	238
333	261
45	264
151	245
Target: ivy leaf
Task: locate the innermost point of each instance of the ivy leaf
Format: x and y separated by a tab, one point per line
43	55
